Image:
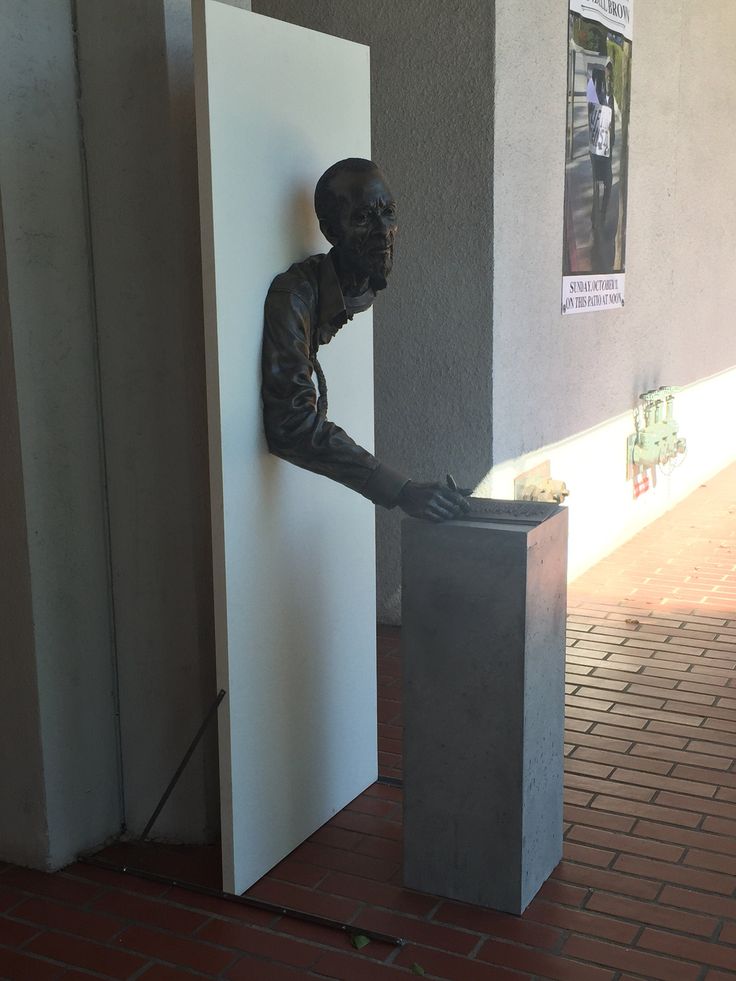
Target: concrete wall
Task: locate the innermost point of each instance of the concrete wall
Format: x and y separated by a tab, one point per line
137	102
102	344
62	784
23	825
432	121
555	376
565	387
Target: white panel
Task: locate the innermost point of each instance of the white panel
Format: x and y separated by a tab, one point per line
293	552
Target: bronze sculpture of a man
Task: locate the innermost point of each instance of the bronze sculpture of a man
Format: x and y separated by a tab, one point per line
305	307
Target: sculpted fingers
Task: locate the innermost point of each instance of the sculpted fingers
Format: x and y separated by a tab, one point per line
446	504
433	502
439	511
454	501
460	491
460	501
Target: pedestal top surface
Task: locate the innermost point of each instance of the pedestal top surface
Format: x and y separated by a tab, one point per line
515	512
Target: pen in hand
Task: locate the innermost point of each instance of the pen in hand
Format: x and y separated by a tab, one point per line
465	506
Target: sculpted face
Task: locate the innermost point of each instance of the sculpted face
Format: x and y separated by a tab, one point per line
364	227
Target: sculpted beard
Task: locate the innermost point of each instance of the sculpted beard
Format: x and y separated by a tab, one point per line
376	260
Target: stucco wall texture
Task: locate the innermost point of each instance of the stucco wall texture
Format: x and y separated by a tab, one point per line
137	103
105	475
555	376
23	825
62	785
432	128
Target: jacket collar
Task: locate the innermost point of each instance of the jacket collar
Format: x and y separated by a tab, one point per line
332	311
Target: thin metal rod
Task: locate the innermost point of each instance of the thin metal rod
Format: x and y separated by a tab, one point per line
391	781
180	769
293	914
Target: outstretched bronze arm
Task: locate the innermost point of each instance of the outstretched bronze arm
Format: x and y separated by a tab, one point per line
296	428
305	307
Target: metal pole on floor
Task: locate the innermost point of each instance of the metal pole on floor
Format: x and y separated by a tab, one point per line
294	914
180	769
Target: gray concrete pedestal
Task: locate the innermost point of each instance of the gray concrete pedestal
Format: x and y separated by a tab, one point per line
483	649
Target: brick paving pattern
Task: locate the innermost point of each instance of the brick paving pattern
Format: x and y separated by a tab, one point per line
647	887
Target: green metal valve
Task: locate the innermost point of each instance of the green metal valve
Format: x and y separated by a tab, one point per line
657	442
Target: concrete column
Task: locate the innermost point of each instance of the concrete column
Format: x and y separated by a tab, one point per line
59	760
23	825
483	650
137	103
102	343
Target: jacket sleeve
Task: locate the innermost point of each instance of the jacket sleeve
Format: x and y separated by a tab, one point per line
295	428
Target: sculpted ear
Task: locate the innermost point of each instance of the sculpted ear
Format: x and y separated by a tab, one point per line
328	230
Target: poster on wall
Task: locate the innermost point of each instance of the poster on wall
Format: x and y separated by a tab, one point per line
600	40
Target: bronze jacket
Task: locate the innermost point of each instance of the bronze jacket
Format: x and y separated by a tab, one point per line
305	307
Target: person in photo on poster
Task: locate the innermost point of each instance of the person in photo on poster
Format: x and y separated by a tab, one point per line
602	126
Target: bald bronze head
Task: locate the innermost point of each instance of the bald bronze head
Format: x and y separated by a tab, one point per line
357	216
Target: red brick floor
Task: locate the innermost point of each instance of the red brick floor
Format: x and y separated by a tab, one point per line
647	888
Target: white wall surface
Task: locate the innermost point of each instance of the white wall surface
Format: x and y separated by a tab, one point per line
293	552
603	510
573	381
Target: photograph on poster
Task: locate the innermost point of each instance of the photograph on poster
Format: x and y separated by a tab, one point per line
596	159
